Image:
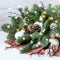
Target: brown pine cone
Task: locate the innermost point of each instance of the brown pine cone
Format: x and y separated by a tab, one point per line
31	28
53	47
37	27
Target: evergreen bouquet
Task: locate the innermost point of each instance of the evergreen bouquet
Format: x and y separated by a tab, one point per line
36	30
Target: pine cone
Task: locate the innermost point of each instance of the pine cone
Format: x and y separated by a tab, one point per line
31	28
53	47
37	27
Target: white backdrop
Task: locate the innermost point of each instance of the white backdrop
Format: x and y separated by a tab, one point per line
5	4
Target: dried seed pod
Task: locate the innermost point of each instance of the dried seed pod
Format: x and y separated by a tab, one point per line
37	27
31	28
49	52
53	47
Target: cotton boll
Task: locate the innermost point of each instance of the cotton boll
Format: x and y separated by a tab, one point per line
19	34
53	25
39	23
53	41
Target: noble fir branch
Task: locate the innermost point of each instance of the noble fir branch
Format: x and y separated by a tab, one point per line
32	44
26	38
44	41
35	36
55	30
47	24
24	12
27	47
11	36
7	28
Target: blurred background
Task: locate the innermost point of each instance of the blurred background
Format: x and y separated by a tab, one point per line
12	6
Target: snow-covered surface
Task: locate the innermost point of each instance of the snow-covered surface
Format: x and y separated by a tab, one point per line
13	54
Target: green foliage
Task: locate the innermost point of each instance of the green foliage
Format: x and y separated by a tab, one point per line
44	41
23	12
35	36
49	15
47	24
26	38
7	27
11	36
55	30
26	48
